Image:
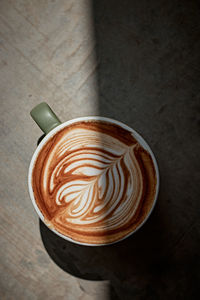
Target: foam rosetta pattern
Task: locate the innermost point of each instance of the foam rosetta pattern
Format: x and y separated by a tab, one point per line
93	182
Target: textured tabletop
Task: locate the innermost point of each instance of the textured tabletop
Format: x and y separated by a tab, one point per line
134	61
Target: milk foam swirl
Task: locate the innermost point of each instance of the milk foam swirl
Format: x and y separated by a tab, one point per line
92	182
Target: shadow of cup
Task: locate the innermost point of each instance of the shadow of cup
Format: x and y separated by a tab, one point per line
135	255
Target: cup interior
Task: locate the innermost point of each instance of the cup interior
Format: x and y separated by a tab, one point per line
137	136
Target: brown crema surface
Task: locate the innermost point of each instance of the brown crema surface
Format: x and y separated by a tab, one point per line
93	182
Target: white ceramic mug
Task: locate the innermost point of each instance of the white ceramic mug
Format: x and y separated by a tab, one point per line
51	125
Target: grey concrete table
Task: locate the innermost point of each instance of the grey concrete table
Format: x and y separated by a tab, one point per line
135	61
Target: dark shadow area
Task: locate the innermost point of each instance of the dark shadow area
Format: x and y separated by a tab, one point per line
40	139
148	56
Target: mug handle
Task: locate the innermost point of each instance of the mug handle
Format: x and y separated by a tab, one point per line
43	115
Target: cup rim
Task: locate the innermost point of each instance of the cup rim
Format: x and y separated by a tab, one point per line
135	134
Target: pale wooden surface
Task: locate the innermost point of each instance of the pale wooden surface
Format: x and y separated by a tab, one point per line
47	54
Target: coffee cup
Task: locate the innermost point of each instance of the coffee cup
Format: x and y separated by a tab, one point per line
92	180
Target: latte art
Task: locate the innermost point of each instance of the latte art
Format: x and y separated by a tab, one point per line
93	182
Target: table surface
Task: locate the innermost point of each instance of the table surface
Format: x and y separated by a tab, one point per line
135	61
